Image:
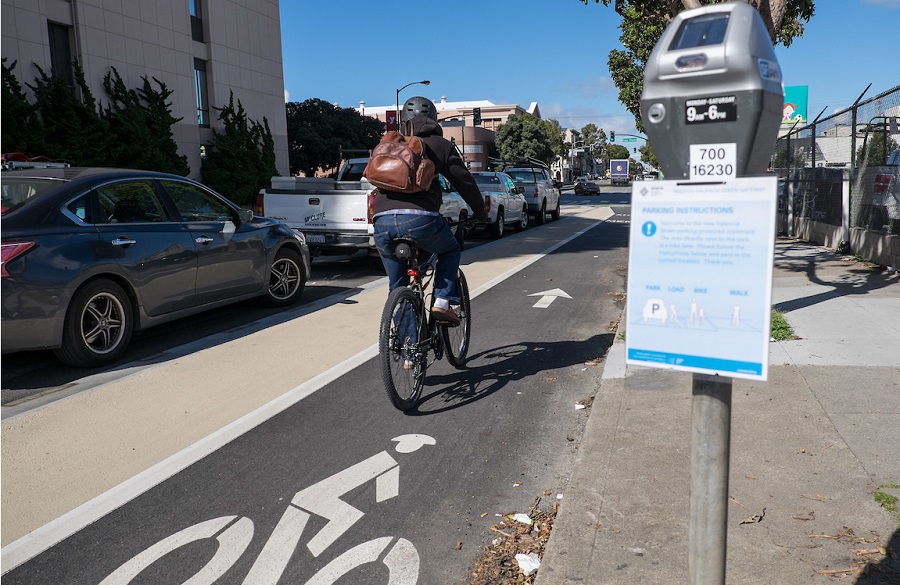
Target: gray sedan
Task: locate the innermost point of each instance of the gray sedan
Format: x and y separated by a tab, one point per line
89	256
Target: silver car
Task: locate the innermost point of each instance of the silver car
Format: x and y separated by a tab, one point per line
503	202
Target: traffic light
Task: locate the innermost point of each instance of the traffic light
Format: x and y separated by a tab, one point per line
476	113
634	149
612	136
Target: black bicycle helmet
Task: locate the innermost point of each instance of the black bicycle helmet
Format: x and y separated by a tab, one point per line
418	106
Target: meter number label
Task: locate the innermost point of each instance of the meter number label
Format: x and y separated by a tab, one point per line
712	109
713	161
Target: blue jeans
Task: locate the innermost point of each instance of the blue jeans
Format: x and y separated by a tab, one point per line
434	235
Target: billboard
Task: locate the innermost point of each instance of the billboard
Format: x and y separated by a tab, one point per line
796	99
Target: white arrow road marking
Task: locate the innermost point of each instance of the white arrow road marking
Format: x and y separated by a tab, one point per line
547	297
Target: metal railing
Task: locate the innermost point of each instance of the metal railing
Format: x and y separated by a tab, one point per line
822	161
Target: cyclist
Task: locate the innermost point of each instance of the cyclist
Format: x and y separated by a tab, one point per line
417	215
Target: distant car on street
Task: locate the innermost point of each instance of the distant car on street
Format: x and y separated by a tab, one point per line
91	255
586	187
503	202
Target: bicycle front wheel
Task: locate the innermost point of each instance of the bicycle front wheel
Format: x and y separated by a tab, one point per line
456	339
401	348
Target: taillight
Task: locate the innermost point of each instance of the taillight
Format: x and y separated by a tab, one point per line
537	193
370	204
882	183
259	203
10	251
487	204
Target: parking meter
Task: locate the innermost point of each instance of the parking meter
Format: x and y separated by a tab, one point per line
713	79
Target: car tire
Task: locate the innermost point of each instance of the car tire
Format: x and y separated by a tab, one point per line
522	224
554	215
498	226
287	279
98	326
540	218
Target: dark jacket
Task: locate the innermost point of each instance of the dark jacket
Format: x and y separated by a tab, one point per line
446	162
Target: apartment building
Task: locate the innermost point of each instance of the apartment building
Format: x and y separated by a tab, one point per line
457	121
201	49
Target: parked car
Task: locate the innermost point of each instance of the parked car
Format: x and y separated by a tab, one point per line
89	256
586	187
540	193
503	202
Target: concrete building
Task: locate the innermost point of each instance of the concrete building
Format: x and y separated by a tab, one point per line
201	49
456	118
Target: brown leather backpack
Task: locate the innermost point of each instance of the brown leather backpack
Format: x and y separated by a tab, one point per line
399	164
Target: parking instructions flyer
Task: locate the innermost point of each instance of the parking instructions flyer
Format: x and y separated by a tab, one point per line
700	276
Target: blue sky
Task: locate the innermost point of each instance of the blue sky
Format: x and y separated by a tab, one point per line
553	52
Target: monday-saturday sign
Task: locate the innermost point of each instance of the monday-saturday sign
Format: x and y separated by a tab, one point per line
700	276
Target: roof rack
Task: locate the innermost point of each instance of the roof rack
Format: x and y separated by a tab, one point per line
497	164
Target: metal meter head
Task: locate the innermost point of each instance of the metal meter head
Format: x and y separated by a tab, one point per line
713	78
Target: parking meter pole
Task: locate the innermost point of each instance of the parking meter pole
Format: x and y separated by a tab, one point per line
710	461
712	81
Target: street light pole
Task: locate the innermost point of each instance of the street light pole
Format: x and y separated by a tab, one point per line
397	97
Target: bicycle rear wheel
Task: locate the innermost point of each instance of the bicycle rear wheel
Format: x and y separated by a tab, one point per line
401	339
456	339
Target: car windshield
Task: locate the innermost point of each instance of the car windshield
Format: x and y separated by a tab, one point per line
18	190
521	176
353	171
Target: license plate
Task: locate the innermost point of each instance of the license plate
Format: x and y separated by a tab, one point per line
315	238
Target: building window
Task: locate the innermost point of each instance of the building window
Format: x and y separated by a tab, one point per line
196	21
61	52
200	93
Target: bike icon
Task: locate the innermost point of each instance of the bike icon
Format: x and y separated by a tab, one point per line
233	534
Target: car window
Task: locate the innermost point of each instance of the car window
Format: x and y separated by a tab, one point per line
195	204
17	190
130	202
510	186
80	209
353	171
521	175
490	180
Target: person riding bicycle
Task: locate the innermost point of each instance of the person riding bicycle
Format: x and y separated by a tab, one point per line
417	215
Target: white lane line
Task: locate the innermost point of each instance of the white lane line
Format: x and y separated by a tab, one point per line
40	539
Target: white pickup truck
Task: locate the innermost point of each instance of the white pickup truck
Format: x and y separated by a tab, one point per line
335	215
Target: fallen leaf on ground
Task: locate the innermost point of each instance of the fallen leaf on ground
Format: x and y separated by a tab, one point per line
755	518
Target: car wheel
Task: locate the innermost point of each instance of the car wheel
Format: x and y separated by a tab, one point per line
98	325
286	279
540	218
460	233
579	191
498	226
554	215
523	219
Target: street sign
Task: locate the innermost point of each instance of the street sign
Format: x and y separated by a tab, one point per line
629	140
700	276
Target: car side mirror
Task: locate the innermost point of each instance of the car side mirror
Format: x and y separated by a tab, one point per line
520	189
245	215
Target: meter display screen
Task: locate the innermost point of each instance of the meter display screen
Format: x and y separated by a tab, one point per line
701	31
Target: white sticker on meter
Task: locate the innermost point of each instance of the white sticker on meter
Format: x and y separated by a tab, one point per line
713	161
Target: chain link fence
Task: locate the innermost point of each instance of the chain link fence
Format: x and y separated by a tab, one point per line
835	173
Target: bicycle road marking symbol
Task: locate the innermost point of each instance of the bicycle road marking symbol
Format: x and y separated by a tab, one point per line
234	534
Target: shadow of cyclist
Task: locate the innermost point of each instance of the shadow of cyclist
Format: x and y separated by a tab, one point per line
490	371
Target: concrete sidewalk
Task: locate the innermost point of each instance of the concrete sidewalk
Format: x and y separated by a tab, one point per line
809	447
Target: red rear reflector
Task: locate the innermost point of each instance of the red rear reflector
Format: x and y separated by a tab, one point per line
882	183
259	203
10	251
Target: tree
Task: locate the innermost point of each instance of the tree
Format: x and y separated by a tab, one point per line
22	130
617	151
73	131
241	160
876	149
643	22
318	130
142	120
648	156
524	136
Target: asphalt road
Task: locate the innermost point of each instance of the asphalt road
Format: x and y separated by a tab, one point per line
342	482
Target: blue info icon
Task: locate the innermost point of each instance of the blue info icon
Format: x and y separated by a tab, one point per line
649	228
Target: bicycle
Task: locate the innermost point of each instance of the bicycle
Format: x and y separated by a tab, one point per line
408	332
